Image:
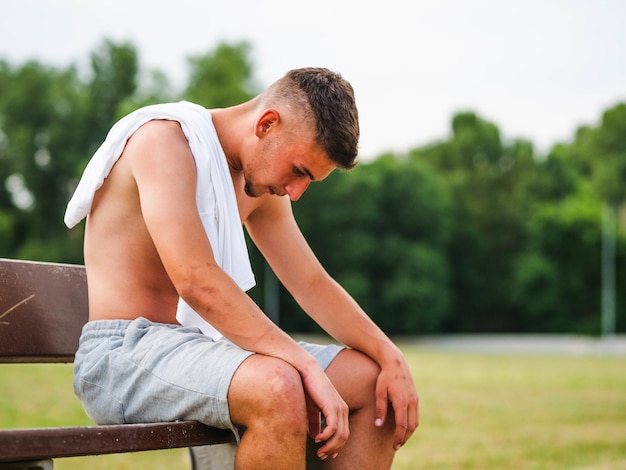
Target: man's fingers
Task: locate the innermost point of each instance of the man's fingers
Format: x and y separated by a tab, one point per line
335	434
323	396
407	420
414	418
401	418
333	445
382	404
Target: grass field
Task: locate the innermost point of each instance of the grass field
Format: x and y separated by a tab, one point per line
483	412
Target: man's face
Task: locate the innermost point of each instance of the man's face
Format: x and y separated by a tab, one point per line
282	167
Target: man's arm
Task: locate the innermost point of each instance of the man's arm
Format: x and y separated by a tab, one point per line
274	230
163	168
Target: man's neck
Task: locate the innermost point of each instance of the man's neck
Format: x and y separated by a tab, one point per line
231	125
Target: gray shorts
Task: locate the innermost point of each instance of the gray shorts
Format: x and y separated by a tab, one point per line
134	371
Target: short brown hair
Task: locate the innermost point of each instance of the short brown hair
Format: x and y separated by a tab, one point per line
331	101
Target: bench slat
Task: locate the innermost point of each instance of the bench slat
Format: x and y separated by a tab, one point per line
45	443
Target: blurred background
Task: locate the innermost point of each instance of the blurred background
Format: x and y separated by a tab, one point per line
489	197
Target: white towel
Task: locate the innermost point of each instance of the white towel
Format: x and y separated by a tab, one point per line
215	194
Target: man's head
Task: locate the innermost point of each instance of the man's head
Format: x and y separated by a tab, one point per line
326	101
305	125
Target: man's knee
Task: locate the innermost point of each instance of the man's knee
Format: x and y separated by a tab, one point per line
354	375
268	391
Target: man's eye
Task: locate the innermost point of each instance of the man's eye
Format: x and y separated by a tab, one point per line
297	171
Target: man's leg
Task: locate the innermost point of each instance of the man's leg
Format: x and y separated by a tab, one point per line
266	396
369	447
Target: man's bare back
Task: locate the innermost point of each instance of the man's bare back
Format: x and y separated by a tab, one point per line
126	276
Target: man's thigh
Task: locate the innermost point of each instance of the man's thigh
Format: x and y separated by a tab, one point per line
155	372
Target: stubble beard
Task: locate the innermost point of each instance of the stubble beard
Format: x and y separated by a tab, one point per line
249	189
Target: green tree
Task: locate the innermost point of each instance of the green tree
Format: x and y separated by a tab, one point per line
557	279
38	126
114	79
222	77
489	184
599	154
606	151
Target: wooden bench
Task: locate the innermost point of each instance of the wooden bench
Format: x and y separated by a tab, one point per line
43	307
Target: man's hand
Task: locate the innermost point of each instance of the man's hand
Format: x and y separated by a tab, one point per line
395	387
322	396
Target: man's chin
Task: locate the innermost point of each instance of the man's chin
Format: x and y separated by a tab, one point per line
249	190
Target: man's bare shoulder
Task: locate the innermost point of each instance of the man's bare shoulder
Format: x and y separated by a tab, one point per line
157	134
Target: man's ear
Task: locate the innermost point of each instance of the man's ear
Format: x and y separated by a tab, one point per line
266	122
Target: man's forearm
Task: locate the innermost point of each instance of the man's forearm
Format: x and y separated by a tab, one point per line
342	318
226	307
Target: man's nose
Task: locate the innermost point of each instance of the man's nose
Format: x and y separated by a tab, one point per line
296	188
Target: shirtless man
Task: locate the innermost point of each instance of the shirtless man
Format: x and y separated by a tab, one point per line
146	247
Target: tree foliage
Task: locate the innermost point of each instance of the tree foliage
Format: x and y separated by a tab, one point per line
467	234
222	77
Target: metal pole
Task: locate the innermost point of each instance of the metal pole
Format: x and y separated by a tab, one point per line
608	270
271	294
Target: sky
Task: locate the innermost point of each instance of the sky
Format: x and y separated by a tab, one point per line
538	69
